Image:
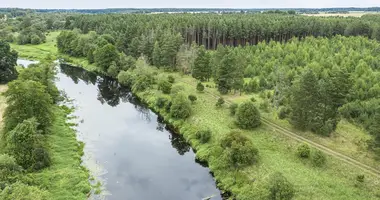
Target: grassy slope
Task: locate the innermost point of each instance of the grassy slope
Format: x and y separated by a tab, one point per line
277	153
336	180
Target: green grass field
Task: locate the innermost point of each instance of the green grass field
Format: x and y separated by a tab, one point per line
335	180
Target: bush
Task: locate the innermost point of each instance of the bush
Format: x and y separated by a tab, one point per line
161	102
303	151
142	83
22	141
318	158
165	86
248	116
264	106
220	102
283	112
252	86
8	166
41	159
177	88
126	78
280	188
200	87
233	107
192	98
253	99
203	135
239	150
35	39
171	79
181	108
168	106
360	178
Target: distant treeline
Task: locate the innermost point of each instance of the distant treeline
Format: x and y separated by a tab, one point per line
19	11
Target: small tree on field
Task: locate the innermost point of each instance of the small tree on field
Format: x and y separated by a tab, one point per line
220	102
239	150
248	116
192	98
171	79
303	151
280	188
165	86
181	107
8	62
233	107
204	135
318	158
200	87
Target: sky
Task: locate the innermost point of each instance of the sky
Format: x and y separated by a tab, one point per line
96	4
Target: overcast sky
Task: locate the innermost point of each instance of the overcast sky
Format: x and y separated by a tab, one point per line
187	3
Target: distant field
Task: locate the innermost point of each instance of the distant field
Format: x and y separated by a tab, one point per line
351	14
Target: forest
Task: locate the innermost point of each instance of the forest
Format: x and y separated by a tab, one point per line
307	74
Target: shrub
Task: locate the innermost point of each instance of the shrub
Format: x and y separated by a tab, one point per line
177	88
200	87
8	166
35	39
171	79
280	188
264	106
233	107
126	78
303	151
41	159
252	86
181	108
220	102
165	86
318	158
203	135
161	102
239	150
248	116
253	99
22	141
143	82
168	106
19	190
192	98
283	112
360	178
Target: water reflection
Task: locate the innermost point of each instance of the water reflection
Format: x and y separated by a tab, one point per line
141	157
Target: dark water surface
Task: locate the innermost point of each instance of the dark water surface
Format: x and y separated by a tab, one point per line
128	147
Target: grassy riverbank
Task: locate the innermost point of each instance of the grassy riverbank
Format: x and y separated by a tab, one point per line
65	178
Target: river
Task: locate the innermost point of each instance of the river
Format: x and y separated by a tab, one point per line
128	147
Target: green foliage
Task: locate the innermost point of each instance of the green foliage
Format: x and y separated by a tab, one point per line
165	86
7	65
20	191
181	107
192	98
126	78
360	178
220	102
247	116
43	73
27	99
202	68
8	167
303	151
318	158
238	150
171	79
200	87
283	112
105	55
280	188
161	102
113	70
251	87
176	89
203	136
142	83
233	107
264	106
23	144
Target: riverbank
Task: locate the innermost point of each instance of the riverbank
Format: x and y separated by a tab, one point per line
65	178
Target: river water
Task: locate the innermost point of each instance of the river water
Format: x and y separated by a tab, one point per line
128	147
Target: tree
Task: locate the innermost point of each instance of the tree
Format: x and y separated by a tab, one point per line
165	86
157	54
8	62
233	107
105	55
224	76
303	151
113	70
192	98
280	188
200	87
318	158
27	99
181	107
248	116
220	102
239	150
204	135
202	68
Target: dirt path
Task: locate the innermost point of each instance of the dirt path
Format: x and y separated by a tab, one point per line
299	138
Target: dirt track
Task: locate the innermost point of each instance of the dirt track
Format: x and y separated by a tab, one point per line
299	138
